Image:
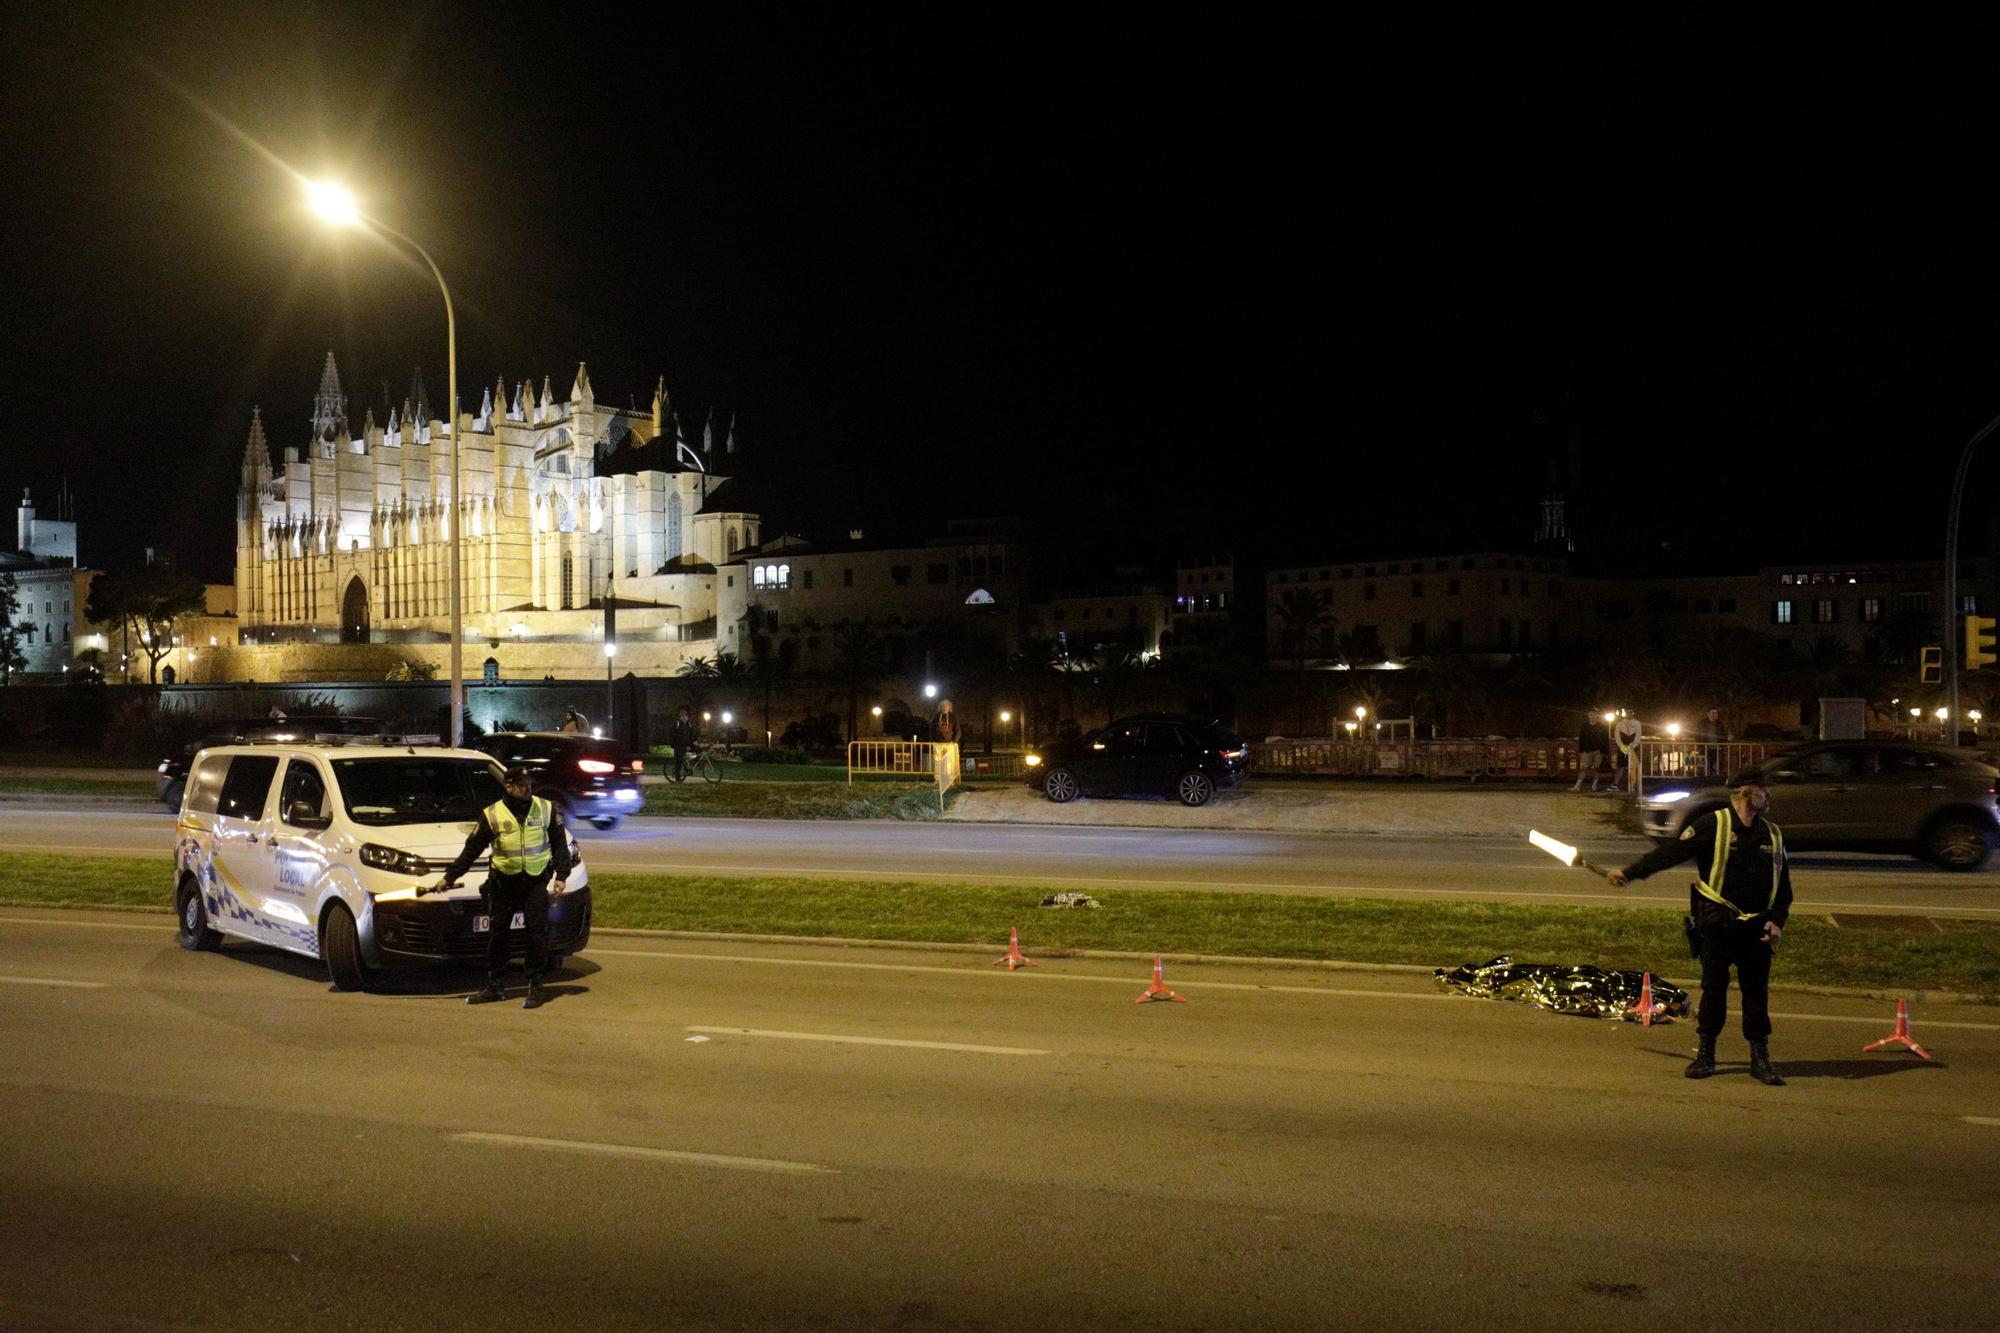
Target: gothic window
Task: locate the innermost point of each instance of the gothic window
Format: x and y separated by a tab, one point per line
673	526
732	546
568	581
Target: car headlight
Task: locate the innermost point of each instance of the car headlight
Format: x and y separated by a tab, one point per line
392	859
1670	797
1032	760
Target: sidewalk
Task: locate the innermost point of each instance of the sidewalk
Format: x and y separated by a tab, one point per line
1400	809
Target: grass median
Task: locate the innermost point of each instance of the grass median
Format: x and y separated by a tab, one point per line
1965	956
118	789
792	800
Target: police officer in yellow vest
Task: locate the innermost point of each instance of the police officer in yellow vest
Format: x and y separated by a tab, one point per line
1739	907
530	850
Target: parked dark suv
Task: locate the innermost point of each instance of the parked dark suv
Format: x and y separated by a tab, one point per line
1153	754
591	779
1864	796
173	770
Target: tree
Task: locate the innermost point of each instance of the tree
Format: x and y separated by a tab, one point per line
1450	686
146	602
697	668
858	669
411	669
11	657
1302	619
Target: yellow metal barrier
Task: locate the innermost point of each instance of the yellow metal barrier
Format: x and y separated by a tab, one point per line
916	758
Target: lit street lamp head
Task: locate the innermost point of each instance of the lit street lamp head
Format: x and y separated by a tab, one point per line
333	204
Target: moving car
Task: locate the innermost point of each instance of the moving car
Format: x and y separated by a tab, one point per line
320	848
1930	801
591	779
1164	754
173	770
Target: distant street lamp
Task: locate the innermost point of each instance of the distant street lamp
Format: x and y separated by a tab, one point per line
336	207
1673	728
930	691
610	697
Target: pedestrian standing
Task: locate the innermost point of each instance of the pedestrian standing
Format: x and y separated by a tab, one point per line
530	862
682	734
1736	914
1593	738
572	721
944	727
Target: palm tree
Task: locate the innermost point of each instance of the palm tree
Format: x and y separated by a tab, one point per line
859	667
1304	621
1449	684
697	668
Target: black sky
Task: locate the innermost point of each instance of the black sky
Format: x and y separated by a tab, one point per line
1209	280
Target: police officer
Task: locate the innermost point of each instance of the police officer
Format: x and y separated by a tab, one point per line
683	735
530	849
1739	907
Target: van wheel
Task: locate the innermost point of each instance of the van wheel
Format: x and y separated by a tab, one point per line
195	934
1194	788
605	822
1957	843
340	946
1060	786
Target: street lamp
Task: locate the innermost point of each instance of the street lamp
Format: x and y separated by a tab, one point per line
610	698
930	691
336	207
1673	729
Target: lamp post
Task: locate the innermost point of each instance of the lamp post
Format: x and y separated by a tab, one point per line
610	694
337	207
1952	613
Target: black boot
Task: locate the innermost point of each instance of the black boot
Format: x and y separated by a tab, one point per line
1760	1065
486	994
1703	1063
537	994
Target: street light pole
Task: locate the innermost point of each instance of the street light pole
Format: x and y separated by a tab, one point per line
338	207
1952	634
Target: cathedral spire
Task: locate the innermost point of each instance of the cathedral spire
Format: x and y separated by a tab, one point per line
256	449
708	431
329	408
730	447
580	393
422	399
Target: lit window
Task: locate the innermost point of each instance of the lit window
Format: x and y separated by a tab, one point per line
1781	613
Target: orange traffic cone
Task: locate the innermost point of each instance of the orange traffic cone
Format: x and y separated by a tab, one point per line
1901	1036
1646	1008
1158	990
1015	958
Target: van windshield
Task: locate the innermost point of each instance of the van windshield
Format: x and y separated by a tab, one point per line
416	790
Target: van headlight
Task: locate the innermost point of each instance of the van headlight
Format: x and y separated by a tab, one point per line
392	859
1032	760
1668	797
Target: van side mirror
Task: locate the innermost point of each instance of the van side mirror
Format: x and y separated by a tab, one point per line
304	814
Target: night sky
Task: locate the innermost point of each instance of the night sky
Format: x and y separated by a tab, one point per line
1292	286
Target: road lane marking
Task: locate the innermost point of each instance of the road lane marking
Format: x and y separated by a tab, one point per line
766	1164
972	972
841	1039
1980	1120
1337	992
55	981
154	926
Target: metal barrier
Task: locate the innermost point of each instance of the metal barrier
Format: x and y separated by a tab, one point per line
1708	762
917	759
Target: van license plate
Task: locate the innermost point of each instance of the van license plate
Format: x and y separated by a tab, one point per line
482	924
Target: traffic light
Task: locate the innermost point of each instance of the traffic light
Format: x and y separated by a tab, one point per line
1979	649
1930	667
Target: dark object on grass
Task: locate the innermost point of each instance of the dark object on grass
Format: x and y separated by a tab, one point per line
1070	900
1567	989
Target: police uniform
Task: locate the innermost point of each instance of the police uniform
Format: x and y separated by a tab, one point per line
1744	882
530	847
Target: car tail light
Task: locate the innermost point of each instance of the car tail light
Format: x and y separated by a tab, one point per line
1235	754
595	766
638	766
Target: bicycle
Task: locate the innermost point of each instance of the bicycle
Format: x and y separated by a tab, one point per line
699	764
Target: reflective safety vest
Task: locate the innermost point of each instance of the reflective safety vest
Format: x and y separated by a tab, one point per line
1725	840
520	849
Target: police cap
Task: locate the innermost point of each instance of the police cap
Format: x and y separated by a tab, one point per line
1747	777
517	776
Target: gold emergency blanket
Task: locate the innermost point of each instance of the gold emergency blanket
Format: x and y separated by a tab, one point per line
1567	989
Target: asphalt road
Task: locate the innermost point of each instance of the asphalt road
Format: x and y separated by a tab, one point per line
916	1140
1103	858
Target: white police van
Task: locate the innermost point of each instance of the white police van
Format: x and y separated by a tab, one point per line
319	847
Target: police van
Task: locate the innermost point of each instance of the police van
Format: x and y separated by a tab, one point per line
319	847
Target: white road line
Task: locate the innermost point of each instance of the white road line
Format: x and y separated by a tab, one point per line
1980	1120
765	1164
1134	979
154	926
841	1039
1889	1020
55	981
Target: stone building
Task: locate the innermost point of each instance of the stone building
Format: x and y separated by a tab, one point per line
49	589
563	504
